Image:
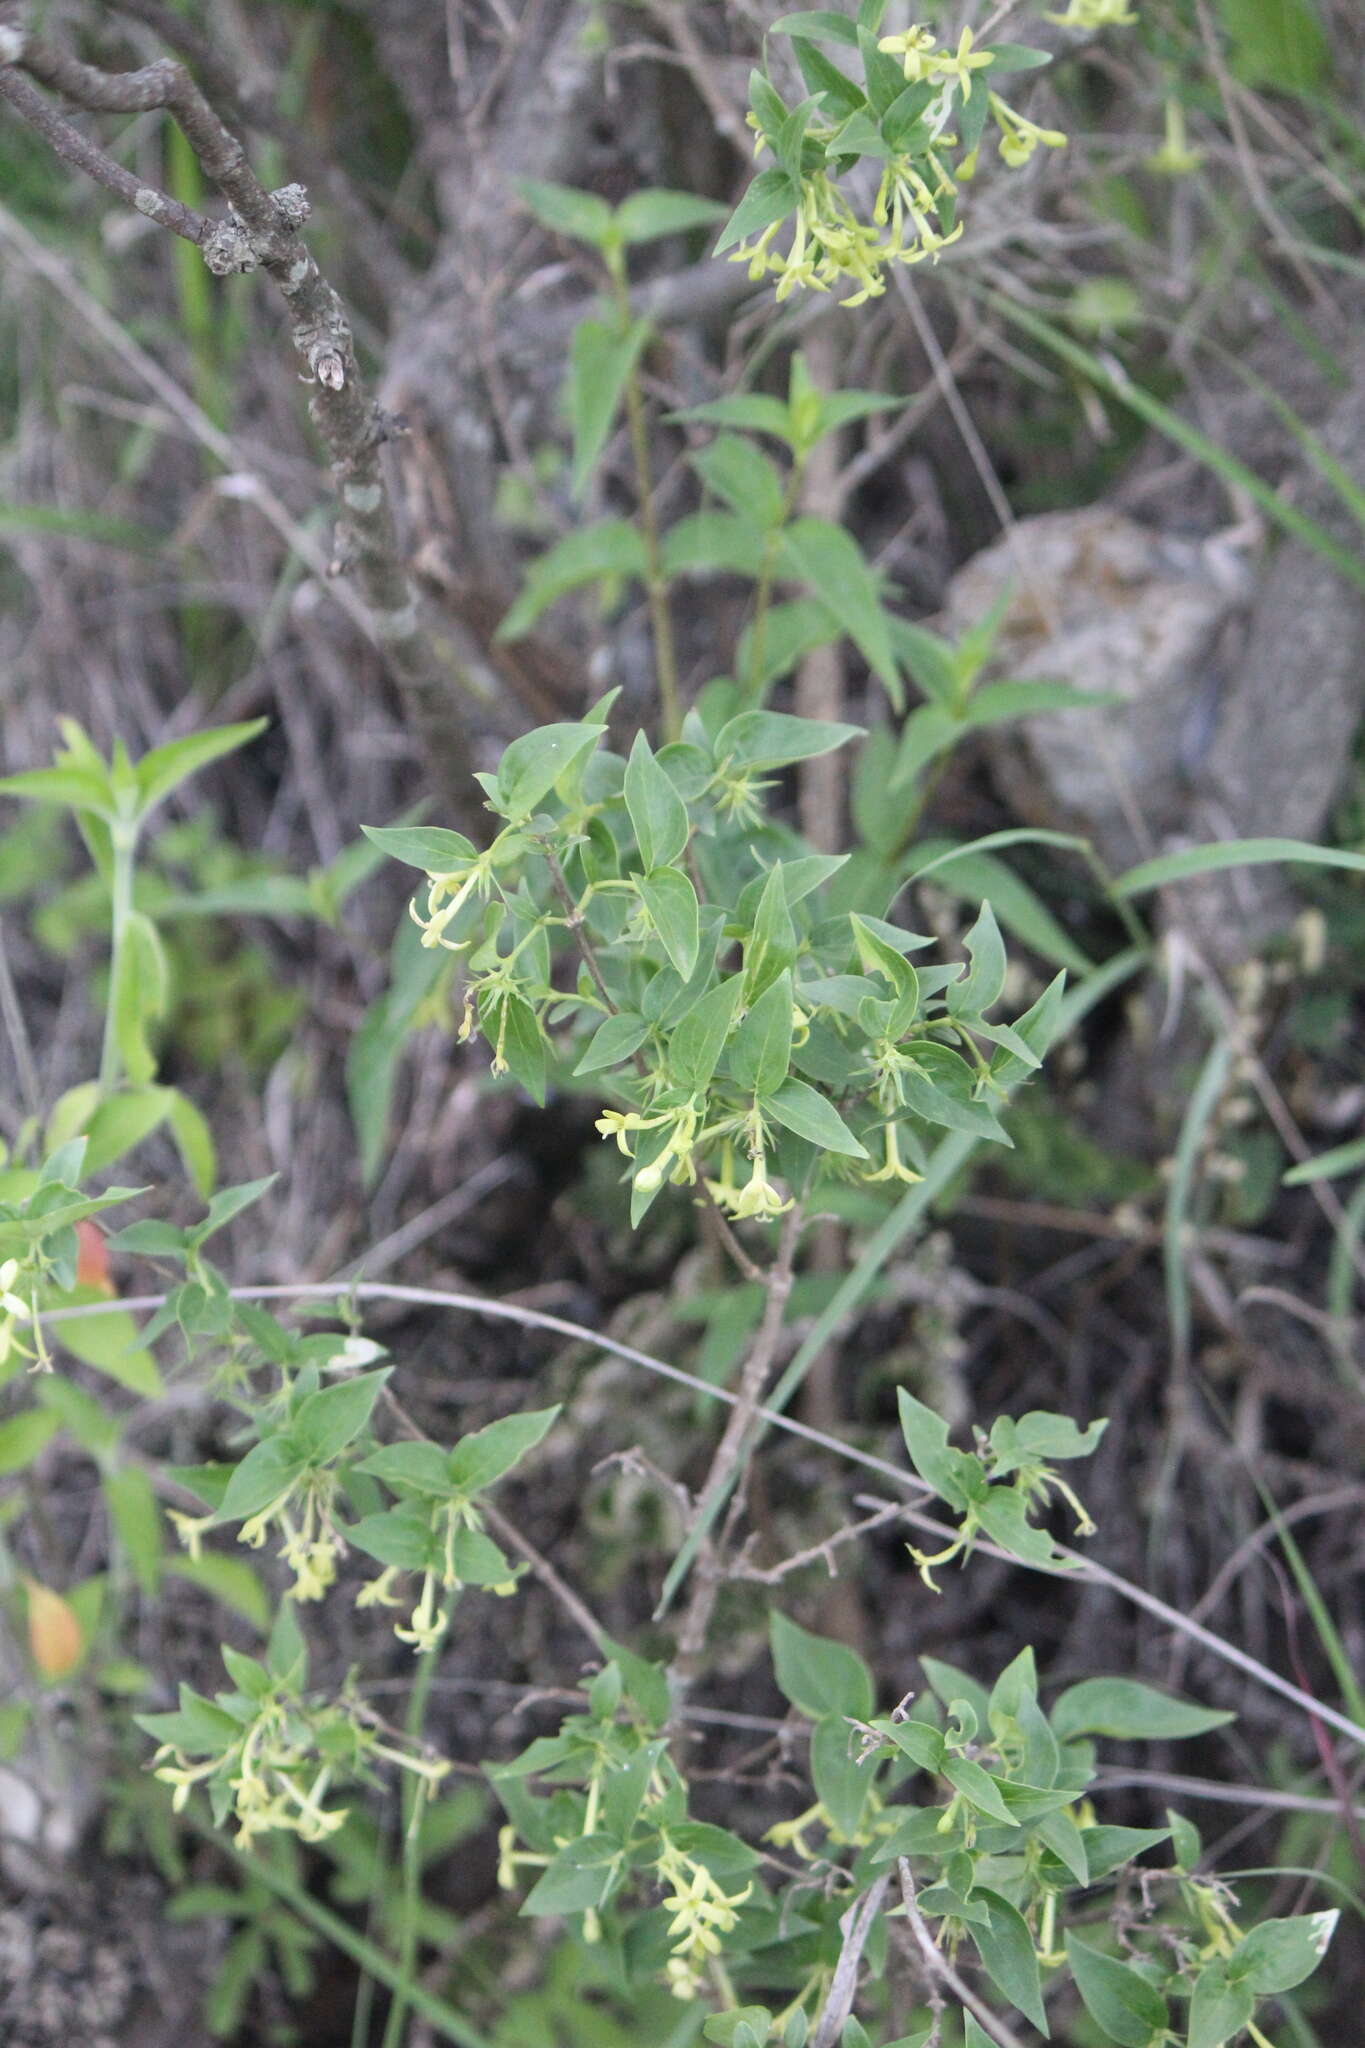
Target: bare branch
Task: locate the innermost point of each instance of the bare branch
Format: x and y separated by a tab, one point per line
263	229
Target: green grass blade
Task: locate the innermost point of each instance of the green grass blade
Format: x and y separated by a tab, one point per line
1231	853
1108	375
1203	1102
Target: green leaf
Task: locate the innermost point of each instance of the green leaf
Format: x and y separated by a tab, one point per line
841	1783
22	1436
429	847
268	1470
771	197
721	2026
830	561
535	764
1007	57
773	739
193	1141
770	949
1122	2004
926	1439
1280	1954
812	1117
149	1239
818	1675
657	813
1007	1953
737	472
139	995
819	24
121	1122
565	211
1277	43
1231	853
982	986
1107	1847
478	1460
1327	1165
613	1041
697	1043
165	768
328	1420
840	95
1218	2009
1003	1514
77	790
197	1726
230	1202
760	1052
400	1537
412	1467
748	409
513	1029
137	1520
601	359
580	1877
645	216
611	548
932	663
977	1787
477	1561
671	905
1129	1712
941	1088
720	542
88	1421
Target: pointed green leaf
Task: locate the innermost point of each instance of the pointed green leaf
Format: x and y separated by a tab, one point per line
812	1117
671	905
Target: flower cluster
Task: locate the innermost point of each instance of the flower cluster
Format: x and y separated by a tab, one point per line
702	1911
447	895
925	62
281	1764
427	1624
310	1542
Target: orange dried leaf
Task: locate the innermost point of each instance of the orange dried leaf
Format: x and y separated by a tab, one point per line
92	1258
55	1636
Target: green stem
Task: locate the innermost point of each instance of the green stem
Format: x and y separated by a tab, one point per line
414	1796
123	838
656	582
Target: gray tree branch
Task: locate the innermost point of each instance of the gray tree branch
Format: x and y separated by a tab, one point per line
263	230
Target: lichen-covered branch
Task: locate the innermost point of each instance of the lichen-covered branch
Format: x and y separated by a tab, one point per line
263	230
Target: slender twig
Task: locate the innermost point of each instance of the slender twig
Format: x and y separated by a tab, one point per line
731	1452
508	1533
939	1970
855	1927
818	1553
